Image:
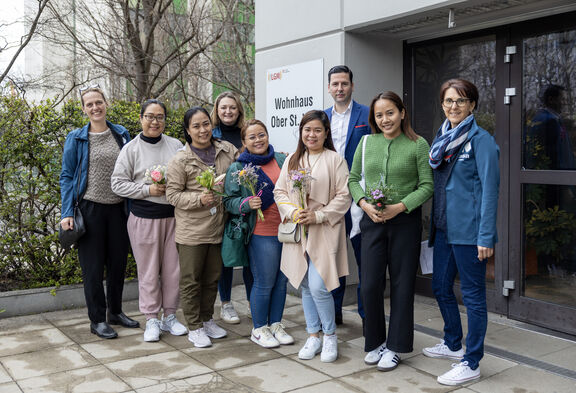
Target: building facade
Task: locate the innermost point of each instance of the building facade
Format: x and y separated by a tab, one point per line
522	56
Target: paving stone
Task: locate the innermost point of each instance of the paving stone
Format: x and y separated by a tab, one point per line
4	377
232	354
11	387
534	344
350	360
522	379
333	386
278	375
89	379
403	380
68	317
23	324
124	348
80	333
32	341
204	383
47	361
490	365
564	358
295	314
159	368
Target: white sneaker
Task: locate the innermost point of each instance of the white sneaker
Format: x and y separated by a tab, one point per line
152	332
312	347
375	355
171	324
228	314
329	348
263	337
249	311
441	350
214	331
277	329
199	338
389	361
459	374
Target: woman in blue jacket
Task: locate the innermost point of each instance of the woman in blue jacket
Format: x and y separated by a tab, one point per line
464	158
88	161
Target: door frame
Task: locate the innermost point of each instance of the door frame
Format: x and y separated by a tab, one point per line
535	311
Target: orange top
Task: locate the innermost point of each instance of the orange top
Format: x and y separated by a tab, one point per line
269	227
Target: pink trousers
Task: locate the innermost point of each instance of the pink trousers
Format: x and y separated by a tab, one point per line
154	249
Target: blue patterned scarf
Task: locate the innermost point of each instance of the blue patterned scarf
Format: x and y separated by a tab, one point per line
268	189
448	141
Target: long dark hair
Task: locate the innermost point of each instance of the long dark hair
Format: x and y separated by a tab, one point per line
301	149
404	124
187	116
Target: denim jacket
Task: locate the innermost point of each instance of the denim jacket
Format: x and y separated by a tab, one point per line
75	158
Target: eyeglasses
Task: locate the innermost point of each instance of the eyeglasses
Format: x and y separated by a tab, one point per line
150	117
253	138
448	102
83	89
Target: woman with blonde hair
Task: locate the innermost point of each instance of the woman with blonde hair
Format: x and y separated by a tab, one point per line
88	161
228	119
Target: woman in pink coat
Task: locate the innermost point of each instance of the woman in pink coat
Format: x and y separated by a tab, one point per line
320	258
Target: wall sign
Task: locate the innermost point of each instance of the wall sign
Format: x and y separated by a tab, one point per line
291	91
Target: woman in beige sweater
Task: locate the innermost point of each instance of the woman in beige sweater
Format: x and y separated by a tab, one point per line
319	259
199	217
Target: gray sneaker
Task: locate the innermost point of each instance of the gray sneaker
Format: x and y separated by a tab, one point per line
214	331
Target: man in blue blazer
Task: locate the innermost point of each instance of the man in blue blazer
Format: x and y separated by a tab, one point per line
348	123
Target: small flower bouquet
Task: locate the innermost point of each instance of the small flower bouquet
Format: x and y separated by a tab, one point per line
301	181
209	180
156	174
247	177
379	194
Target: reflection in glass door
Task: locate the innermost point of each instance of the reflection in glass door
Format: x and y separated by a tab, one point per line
548	141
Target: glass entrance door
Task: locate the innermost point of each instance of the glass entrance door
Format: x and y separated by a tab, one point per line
543	176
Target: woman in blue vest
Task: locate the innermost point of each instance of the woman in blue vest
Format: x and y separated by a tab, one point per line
464	159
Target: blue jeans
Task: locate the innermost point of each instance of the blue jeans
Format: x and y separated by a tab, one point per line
450	259
317	302
225	282
268	294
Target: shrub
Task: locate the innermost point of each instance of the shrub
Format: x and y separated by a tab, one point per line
31	142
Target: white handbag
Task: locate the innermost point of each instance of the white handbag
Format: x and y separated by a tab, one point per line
289	232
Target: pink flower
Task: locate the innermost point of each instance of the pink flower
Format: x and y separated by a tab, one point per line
156	176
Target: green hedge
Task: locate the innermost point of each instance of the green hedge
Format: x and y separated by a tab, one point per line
31	141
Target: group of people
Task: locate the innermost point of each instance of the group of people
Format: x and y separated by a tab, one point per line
344	156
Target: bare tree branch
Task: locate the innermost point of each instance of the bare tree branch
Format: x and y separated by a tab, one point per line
25	39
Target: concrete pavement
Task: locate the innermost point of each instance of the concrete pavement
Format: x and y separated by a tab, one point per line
55	352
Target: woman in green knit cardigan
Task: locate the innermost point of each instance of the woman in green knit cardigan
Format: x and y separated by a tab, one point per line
395	156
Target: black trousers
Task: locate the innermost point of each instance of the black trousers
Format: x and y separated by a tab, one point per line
394	245
104	246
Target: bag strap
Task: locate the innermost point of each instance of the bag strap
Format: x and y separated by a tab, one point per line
363	149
